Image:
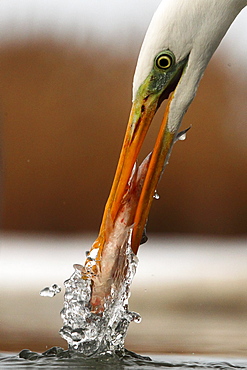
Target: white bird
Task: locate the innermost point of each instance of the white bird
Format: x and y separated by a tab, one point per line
178	45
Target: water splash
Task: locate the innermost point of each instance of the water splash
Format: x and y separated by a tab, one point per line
94	333
50	291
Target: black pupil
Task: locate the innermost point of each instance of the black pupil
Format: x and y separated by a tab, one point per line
164	62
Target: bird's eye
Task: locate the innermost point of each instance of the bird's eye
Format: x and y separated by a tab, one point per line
165	60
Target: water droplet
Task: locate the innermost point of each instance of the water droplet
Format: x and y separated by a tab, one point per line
135	316
77	335
50	291
182	137
156	195
93	253
78	267
138	319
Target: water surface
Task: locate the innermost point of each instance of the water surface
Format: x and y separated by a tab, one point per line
129	361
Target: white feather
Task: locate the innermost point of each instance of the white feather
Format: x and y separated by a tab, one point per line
193	27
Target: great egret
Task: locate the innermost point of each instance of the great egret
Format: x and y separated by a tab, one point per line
178	45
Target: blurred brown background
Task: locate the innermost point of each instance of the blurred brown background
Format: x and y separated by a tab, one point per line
65	95
64	111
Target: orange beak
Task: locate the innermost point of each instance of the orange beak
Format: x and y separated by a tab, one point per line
133	188
140	119
159	84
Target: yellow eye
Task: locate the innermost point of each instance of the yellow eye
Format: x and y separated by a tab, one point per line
164	60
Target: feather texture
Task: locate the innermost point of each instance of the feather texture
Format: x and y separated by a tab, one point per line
186	27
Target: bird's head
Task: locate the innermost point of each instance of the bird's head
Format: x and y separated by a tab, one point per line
180	40
178	45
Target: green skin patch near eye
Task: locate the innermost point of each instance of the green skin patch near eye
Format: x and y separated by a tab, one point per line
160	80
160	77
